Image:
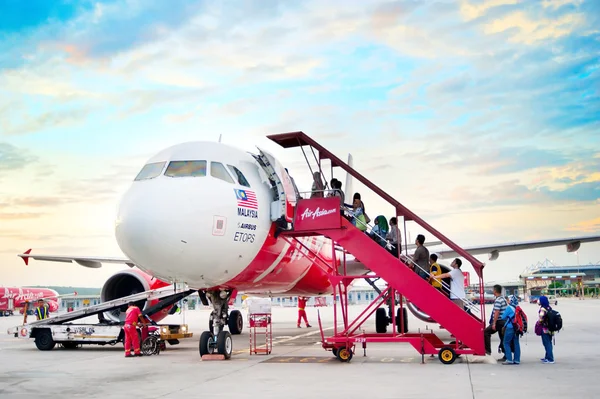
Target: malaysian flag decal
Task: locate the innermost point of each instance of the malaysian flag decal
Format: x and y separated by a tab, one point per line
246	199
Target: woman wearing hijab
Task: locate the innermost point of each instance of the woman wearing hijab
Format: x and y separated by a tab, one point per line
380	230
546	334
509	334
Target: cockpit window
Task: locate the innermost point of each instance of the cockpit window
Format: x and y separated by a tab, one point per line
218	170
186	169
241	179
150	171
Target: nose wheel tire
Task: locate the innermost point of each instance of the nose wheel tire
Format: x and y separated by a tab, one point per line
206	346
447	355
225	344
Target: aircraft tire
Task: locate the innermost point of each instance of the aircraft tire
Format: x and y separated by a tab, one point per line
405	320
235	322
381	321
225	344
204	346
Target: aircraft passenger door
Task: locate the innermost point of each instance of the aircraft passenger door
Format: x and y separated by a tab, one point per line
285	193
11	304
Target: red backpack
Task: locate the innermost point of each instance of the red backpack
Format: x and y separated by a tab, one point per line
519	322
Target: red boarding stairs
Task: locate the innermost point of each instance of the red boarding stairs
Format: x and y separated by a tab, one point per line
465	327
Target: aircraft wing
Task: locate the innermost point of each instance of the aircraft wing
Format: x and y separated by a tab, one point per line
87	261
493	251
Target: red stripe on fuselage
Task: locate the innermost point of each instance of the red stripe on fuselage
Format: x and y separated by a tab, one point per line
294	274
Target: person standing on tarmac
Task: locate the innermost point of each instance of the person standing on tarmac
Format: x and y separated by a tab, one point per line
301	312
132	340
41	312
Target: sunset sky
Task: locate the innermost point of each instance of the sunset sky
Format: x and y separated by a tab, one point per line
483	117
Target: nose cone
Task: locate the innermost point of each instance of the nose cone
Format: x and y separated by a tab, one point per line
167	227
152	226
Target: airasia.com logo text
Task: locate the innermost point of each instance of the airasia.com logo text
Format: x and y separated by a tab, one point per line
316	213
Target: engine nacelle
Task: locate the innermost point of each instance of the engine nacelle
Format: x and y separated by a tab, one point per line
493	255
129	282
52	305
419	314
573	246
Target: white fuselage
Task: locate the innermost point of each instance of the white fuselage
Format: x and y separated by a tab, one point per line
189	226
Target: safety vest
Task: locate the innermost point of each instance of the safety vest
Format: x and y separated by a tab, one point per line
42	312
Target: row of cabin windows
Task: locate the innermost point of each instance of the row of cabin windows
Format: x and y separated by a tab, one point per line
193	169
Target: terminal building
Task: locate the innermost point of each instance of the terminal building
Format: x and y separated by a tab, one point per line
548	278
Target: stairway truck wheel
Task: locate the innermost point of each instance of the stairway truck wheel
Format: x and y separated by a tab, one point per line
225	344
235	322
344	355
334	351
447	355
206	339
381	321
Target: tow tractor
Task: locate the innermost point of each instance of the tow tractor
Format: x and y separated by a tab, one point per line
61	329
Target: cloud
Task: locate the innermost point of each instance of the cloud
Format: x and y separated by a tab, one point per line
13	158
471	10
527	30
588	226
20	215
45	121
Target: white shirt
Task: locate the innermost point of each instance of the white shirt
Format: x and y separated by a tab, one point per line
457	285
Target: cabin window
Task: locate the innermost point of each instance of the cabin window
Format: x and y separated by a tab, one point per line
218	170
150	171
186	169
241	179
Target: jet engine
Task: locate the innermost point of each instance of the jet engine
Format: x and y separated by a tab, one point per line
419	314
52	305
129	282
573	246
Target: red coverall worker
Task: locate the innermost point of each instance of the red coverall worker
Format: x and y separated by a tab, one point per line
301	312
132	340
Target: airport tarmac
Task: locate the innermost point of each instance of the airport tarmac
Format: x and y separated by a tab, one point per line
299	368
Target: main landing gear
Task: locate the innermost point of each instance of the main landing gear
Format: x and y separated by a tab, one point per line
383	319
216	340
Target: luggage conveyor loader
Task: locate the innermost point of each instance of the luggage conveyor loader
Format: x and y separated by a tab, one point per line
61	329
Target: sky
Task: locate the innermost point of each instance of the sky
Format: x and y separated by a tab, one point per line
483	117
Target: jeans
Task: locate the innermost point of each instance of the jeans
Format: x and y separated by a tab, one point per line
512	340
547	341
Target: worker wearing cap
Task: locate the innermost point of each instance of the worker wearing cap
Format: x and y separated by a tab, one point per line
41	312
133	315
301	312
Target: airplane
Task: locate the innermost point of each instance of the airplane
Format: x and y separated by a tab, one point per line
210	215
15	298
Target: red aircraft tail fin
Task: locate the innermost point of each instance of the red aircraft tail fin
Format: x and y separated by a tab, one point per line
26	258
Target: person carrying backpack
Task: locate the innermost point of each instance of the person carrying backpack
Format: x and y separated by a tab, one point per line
513	329
548	323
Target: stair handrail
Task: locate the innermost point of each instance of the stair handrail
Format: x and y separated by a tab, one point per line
407	259
303	139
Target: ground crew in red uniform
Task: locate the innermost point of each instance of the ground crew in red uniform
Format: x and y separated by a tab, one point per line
133	315
301	312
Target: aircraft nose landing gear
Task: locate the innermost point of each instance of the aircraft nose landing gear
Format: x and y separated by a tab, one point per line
216	340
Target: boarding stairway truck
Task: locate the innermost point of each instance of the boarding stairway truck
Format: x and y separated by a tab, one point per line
61	329
466	327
